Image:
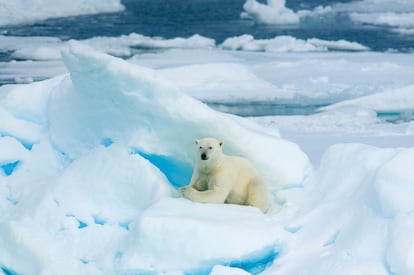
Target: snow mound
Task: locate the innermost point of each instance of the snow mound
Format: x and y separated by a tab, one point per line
394	184
149	104
90	163
90	160
345	221
230	235
391	100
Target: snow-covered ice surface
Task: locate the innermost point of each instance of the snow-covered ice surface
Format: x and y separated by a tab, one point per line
24	11
91	159
398	15
38	58
91	156
103	153
273	12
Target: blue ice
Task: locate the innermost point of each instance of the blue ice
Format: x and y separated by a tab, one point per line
254	263
9	168
177	172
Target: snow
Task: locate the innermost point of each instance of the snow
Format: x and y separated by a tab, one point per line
274	12
160	98
401	251
402	20
342	201
49	48
288	44
393	100
219	270
38	58
104	158
394	185
90	159
229	236
398	15
26	12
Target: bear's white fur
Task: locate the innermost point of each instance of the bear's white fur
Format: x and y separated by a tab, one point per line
219	178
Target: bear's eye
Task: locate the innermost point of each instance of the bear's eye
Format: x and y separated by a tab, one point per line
201	147
210	148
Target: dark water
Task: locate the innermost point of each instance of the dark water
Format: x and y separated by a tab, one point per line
265	108
218	19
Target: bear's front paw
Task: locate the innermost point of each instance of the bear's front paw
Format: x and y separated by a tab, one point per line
185	192
182	191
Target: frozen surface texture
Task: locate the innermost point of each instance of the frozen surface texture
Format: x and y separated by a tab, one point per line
24	11
88	168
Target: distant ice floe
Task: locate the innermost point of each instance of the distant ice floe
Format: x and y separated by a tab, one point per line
399	22
398	15
28	11
274	12
49	48
394	100
125	44
288	44
37	58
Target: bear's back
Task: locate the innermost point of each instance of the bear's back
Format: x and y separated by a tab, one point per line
239	168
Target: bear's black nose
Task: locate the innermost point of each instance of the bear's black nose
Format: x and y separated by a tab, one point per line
203	156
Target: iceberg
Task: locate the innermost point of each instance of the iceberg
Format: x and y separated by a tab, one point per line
274	12
108	144
24	12
76	132
288	44
397	15
90	161
343	201
229	236
49	48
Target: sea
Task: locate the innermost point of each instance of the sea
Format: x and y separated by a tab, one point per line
217	19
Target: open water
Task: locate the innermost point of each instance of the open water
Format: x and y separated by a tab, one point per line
218	19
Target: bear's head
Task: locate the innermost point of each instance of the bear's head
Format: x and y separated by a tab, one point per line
208	149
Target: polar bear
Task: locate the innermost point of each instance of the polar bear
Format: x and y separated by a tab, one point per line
219	178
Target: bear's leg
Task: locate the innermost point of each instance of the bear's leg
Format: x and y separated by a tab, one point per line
208	196
257	195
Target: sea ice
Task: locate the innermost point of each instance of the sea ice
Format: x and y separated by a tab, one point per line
24	11
287	43
90	160
90	173
273	12
172	236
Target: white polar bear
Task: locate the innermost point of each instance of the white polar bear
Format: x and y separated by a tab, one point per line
218	178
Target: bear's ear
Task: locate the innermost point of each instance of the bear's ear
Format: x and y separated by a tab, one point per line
196	141
221	144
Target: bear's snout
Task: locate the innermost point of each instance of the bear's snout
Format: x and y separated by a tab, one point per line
204	156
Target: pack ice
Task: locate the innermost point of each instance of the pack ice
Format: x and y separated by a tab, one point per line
90	161
89	166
